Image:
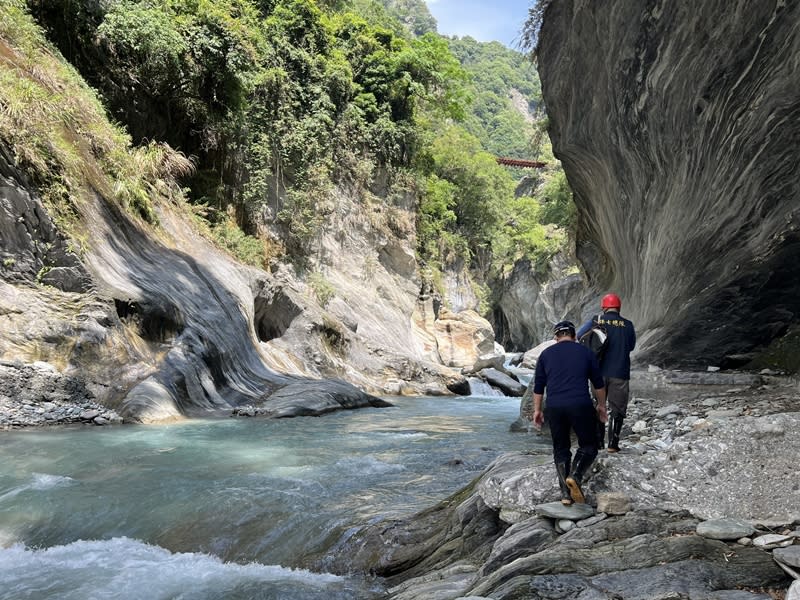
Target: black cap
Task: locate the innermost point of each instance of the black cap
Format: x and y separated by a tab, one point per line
563	326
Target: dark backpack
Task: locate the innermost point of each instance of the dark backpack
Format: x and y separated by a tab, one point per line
596	339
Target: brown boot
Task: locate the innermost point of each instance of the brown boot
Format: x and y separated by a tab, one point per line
575	491
575	479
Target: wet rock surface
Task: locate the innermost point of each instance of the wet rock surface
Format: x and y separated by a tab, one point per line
34	395
312	399
503	381
662	543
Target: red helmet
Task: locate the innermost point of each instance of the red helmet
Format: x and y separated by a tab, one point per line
611	301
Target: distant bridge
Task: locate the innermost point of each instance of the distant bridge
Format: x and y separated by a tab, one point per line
518	162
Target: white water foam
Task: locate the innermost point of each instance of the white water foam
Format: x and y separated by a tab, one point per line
123	568
39	481
44	481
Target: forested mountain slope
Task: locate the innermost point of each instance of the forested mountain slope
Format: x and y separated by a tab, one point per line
507	108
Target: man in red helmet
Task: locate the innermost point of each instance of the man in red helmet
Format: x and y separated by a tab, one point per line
615	364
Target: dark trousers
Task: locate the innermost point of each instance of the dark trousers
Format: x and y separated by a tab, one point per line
583	421
618	391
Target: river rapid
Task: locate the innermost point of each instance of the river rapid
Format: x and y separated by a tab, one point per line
238	508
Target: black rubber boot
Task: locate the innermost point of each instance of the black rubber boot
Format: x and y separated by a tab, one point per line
611	446
576	478
601	435
563	471
614	429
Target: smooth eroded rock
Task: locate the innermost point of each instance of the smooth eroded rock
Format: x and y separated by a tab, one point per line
725	529
676	126
556	510
789	556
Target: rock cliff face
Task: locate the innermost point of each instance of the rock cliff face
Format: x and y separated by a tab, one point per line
377	330
678	127
159	324
530	303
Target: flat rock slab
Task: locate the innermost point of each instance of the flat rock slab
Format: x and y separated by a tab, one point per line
789	556
770	539
556	510
672	409
725	529
700	378
592	520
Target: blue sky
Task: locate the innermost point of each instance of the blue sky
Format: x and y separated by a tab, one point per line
484	20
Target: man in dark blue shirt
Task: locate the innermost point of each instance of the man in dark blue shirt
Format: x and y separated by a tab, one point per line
563	370
616	363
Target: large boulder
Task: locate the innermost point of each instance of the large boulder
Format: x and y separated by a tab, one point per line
503	381
487	361
531	356
462	337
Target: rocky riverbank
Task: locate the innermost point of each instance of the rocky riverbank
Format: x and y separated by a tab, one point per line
702	503
37	395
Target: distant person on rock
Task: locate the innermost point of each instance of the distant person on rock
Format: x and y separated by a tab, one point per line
563	370
615	363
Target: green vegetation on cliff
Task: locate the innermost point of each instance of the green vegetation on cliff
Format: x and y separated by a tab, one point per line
58	134
477	216
507	97
279	103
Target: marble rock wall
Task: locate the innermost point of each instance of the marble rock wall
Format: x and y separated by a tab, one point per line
678	125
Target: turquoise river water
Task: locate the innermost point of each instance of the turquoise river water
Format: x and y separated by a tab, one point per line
233	509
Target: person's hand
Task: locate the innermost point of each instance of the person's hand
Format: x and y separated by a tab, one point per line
538	419
602	414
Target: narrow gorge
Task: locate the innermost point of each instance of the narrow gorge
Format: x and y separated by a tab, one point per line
386	275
